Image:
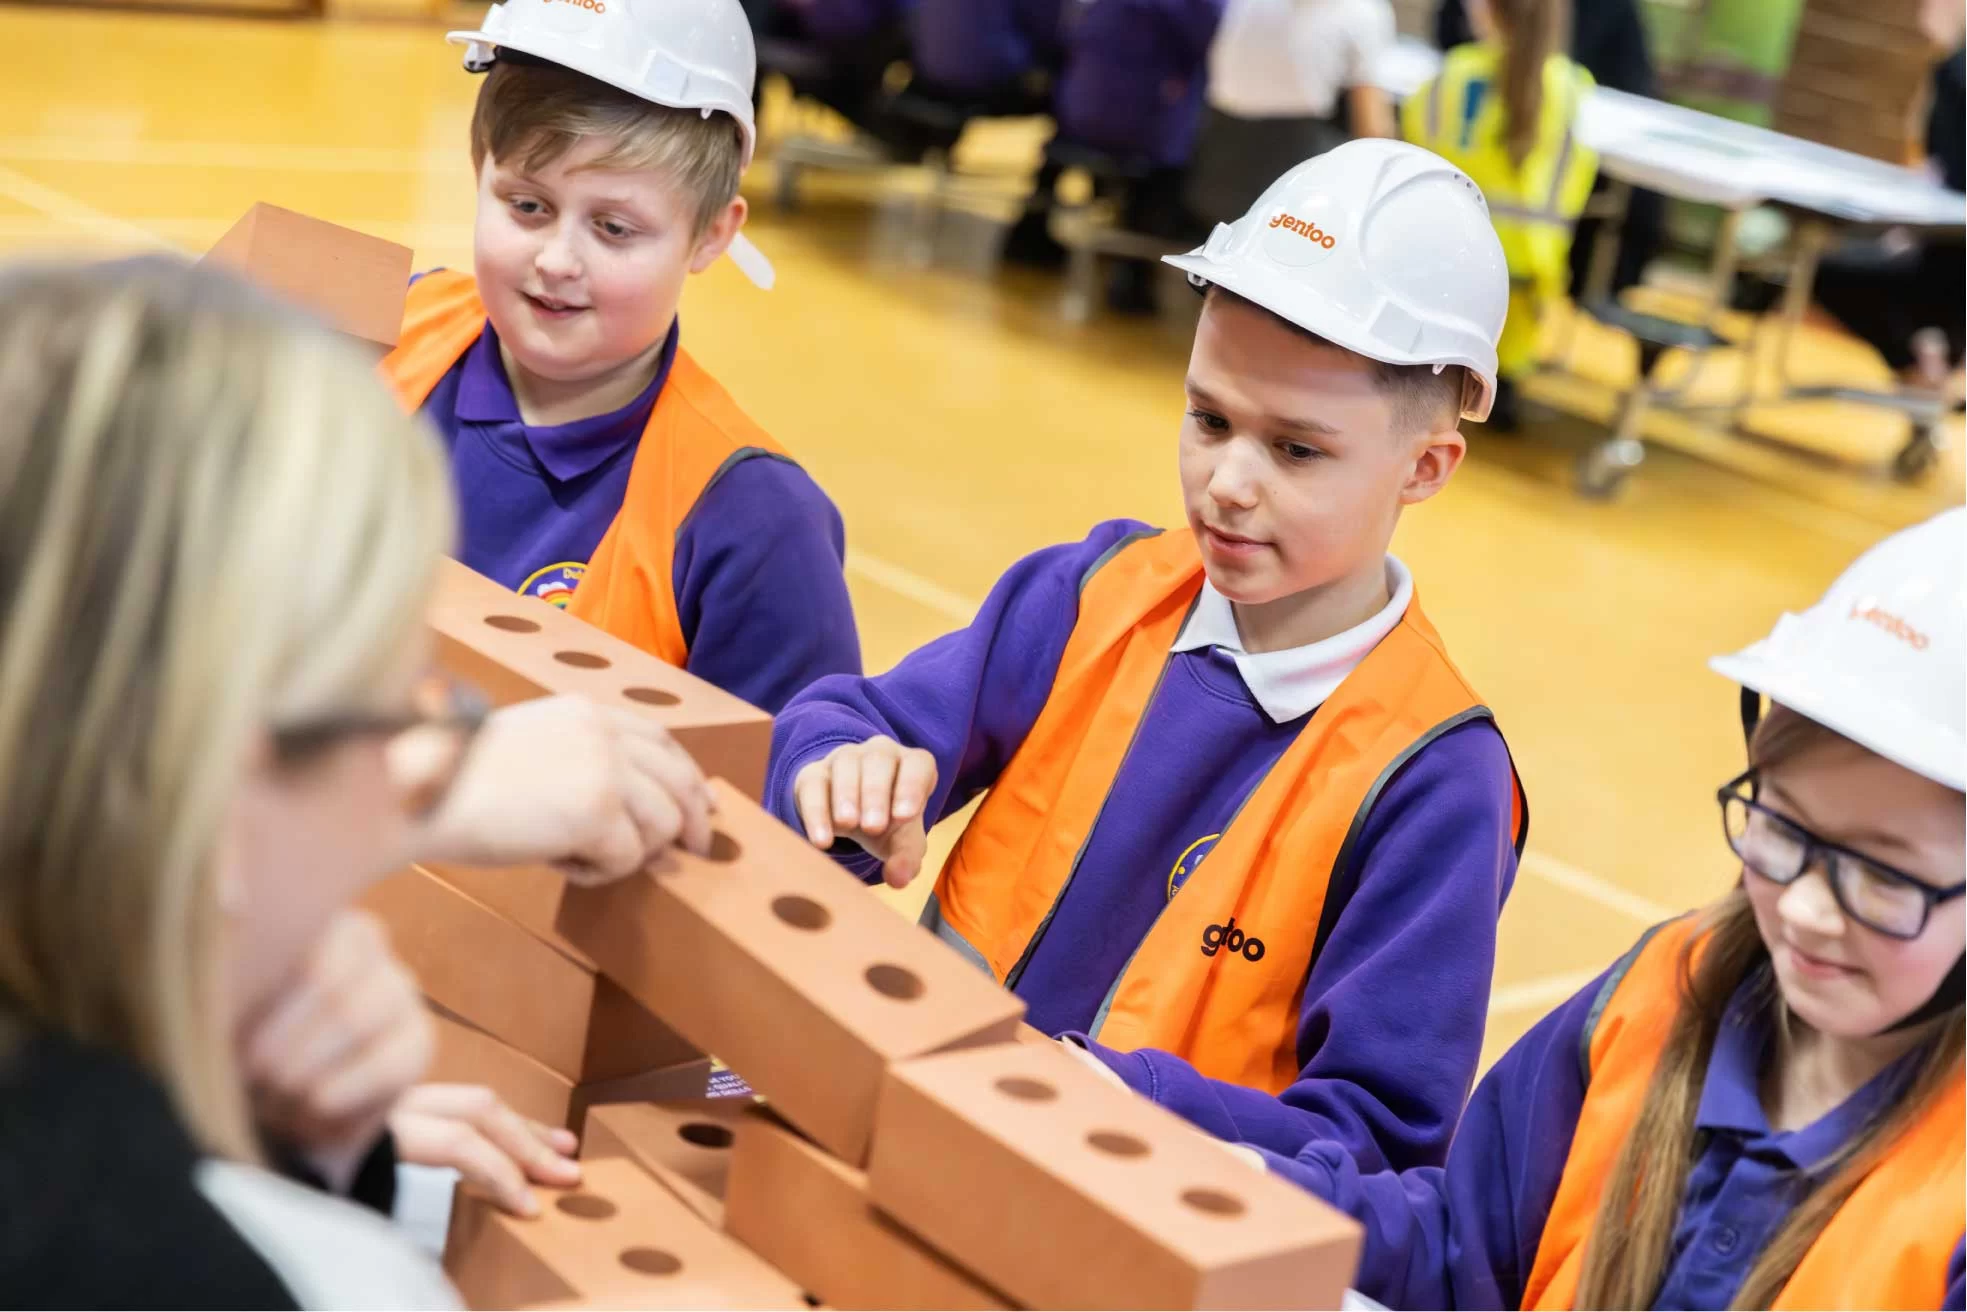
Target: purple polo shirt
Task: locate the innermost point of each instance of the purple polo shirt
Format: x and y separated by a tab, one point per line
1390	1029
1466	1235
757	570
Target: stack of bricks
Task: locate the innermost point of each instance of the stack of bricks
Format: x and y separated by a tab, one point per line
518	1006
914	1146
917	1145
1857	78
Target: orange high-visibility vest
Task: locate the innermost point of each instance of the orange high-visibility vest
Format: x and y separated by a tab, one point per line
1231	1017
1887	1247
695	433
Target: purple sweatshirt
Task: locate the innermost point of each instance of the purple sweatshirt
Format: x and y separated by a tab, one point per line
1390	1030
975	47
1466	1235
757	570
846	23
1134	75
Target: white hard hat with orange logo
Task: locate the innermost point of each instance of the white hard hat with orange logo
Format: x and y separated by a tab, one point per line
687	54
1882	659
1379	247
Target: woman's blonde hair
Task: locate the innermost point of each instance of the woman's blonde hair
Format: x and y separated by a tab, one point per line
213	518
1632	1234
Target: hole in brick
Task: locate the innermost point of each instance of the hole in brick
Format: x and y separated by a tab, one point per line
705	1135
1026	1089
1116	1143
651	1261
724	849
810	1300
801	912
1214	1202
512	623
588	1207
651	696
581	660
894	982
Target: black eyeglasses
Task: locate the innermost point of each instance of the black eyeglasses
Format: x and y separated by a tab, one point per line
1876	895
439	705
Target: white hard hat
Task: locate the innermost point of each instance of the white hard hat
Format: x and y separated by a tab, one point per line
1882	659
687	54
1379	247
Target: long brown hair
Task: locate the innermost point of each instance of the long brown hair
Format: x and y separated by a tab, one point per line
1632	1235
1531	32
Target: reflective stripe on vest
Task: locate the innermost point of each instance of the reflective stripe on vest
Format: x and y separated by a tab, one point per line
1231	1017
695	434
1887	1247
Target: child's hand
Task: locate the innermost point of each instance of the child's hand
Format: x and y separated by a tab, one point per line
873	793
599	791
335	1051
469	1128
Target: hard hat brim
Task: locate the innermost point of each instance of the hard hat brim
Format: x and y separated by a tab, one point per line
1309	310
479	36
1875	723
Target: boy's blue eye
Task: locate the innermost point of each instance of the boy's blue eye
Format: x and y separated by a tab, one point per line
1209	423
1298	452
525	206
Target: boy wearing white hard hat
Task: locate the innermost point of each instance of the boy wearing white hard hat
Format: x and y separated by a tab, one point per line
598	465
1247	830
1760	1105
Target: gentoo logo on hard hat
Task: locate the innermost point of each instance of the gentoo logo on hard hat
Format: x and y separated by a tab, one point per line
1304	233
1872	613
594	5
1309	231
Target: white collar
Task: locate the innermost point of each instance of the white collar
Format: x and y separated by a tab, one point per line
1297	680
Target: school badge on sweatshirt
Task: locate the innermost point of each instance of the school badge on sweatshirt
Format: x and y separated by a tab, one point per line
556	583
1189	861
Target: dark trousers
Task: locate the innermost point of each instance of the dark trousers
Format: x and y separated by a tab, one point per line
1886	296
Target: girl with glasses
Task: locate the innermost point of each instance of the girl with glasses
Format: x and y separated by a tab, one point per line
1761	1104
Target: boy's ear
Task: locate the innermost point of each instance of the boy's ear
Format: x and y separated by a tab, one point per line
717	238
1437	456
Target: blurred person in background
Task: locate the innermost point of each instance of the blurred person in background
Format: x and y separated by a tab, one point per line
1131	86
1288	79
1503	108
856	40
1609	40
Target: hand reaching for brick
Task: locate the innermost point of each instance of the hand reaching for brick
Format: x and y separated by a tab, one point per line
598	791
873	793
470	1129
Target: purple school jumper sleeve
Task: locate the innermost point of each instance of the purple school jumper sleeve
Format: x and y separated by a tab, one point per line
759	589
1390	1028
968	698
1466	1235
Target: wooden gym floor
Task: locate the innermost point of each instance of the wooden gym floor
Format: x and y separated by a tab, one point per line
959	421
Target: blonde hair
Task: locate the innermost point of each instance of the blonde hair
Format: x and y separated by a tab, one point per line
531	113
212	518
1632	1234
